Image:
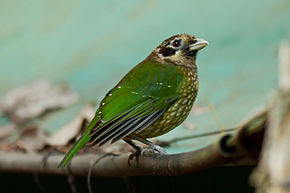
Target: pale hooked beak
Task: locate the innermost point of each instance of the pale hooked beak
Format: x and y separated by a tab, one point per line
198	45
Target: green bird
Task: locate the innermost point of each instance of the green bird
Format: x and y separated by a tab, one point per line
152	99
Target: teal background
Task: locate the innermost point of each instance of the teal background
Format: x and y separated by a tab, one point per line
90	45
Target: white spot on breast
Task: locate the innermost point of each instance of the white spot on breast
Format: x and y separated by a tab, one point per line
184	101
180	109
172	114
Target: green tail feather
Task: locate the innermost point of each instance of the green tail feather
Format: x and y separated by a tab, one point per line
77	146
85	138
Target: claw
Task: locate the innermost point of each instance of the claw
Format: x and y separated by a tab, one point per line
132	155
152	149
146	151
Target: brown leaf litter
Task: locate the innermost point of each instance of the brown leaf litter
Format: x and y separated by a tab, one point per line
34	100
22	106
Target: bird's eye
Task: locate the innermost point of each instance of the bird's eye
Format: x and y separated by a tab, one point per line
176	43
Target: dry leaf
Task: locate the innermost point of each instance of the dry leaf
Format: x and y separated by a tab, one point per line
6	130
33	100
31	139
72	129
7	147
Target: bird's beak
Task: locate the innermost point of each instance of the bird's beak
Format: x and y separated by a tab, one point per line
198	45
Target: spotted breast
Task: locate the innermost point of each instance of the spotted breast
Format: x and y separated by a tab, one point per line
181	108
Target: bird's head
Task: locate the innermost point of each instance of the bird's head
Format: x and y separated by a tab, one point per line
180	49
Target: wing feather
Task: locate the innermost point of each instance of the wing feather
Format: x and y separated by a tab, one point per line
140	126
138	100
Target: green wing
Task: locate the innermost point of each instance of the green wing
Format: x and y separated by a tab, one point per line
140	98
136	102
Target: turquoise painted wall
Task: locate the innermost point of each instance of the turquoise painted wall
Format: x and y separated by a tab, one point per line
90	45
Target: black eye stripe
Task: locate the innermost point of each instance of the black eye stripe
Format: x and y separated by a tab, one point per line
192	41
167	51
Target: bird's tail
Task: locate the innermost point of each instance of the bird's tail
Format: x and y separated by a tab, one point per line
77	146
85	138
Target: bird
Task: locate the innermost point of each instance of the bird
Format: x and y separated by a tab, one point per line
153	98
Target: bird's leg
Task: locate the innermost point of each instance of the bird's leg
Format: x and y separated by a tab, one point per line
137	153
133	144
154	147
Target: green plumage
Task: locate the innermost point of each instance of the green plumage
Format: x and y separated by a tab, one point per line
146	82
150	86
147	102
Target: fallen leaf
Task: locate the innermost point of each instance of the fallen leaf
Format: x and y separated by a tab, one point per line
6	130
31	139
36	99
72	129
7	146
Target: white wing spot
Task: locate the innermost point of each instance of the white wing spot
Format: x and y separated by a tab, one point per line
119	86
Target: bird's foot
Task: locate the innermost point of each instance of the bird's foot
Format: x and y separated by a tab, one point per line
156	150
146	151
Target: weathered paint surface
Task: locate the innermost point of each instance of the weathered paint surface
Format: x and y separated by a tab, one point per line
90	45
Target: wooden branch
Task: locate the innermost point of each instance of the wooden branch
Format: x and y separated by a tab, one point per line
115	166
227	150
174	140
